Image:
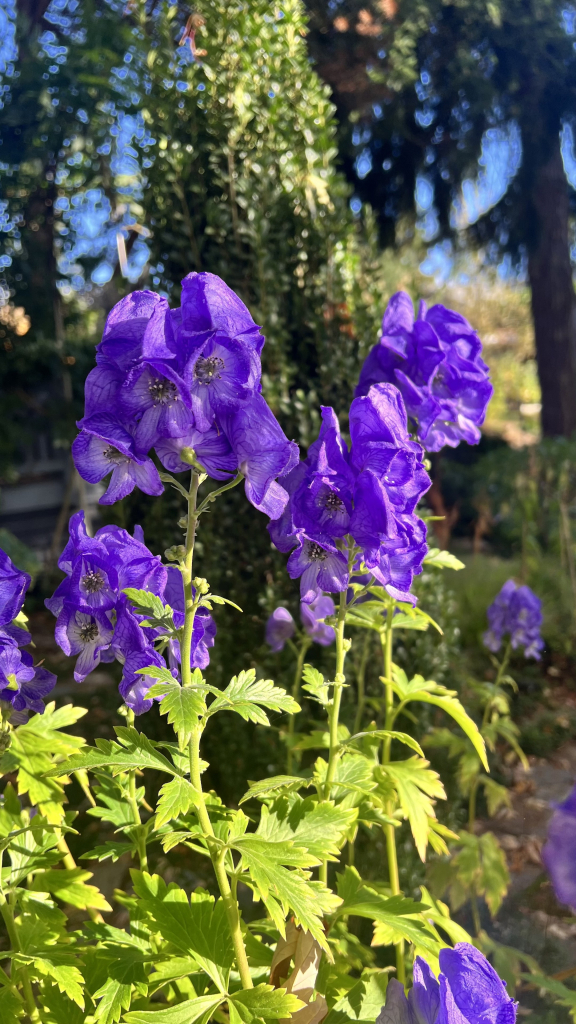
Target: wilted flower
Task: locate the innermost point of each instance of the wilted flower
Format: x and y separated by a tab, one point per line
186	378
435	362
558	852
468	992
516	612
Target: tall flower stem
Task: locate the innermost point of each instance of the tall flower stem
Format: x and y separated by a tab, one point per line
217	855
389	830
360	683
342	647
133	801
302	649
216	850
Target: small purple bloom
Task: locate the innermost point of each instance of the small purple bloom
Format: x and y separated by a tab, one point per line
435	361
87	634
320	566
21	684
211	448
204	630
134	686
516	611
13	586
263	452
105	446
220	376
313	615
559	852
280	627
156	397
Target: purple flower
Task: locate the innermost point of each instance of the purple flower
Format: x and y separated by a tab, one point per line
220	376
517	612
134	686
13	586
321	566
468	992
204	629
313	615
87	634
154	395
121	344
435	362
280	627
208	304
263	453
21	684
211	448
558	853
104	446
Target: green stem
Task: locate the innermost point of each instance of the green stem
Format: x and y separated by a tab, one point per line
504	664
304	645
190	606
472	806
389	830
133	801
339	680
8	915
360	683
217	855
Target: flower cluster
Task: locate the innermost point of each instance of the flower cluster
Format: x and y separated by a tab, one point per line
186	383
468	992
22	684
435	361
558	851
281	626
96	621
517	612
368	493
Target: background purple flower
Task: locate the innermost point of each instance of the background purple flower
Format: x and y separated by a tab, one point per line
13	586
515	612
280	627
312	616
435	362
21	683
559	851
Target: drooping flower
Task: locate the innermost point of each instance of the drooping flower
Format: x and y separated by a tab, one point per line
280	627
469	991
435	362
13	586
164	378
558	853
313	616
320	566
515	612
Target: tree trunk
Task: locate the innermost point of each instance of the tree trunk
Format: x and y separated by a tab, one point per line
553	298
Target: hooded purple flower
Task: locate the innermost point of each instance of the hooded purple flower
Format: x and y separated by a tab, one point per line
280	627
154	395
313	615
435	362
517	612
13	586
87	634
21	684
105	446
320	566
211	448
469	992
208	305
558	853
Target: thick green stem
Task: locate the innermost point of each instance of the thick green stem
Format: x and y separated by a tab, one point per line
389	830
360	681
304	645
217	855
7	912
339	680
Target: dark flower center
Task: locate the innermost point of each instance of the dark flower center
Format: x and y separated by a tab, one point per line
113	455
88	632
207	370
333	503
93	581
162	391
316	553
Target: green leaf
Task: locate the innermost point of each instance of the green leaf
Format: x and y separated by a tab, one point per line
274	785
146	603
319	739
198	927
112	848
381	734
315	685
564	996
68	885
442	559
10	1006
247	695
134	751
184	1013
265	1002
363	1002
399	914
481	863
320	828
182	705
415	785
175	798
57	1008
281	889
429	692
66	975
